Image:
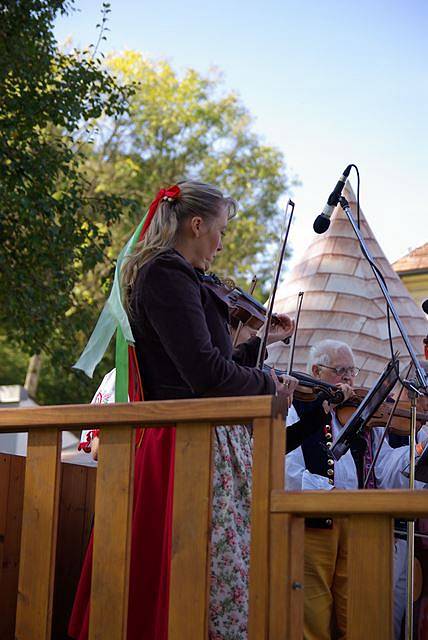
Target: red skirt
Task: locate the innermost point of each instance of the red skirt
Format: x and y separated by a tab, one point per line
150	545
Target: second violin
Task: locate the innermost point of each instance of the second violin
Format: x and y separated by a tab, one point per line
399	423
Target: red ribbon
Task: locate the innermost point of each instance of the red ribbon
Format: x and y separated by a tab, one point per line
172	192
135	387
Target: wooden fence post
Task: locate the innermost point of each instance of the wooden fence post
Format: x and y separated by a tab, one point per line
286	554
259	547
112	534
370	554
39	529
286	577
268	473
188	605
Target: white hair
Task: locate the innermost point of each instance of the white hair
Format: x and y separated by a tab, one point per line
325	352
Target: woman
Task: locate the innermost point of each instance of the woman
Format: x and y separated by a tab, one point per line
230	527
184	350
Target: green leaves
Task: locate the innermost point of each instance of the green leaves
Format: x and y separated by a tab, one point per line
187	125
69	199
51	229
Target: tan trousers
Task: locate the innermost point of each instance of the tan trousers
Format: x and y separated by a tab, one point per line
326	582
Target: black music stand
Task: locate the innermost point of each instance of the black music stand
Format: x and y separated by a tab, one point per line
369	405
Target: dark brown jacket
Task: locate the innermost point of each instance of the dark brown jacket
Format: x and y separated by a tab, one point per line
183	342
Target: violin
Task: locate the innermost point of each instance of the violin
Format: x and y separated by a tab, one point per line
400	422
310	388
243	307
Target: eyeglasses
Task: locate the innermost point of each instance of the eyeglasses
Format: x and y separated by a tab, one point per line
340	371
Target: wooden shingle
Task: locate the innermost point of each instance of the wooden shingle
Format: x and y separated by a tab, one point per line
343	300
414	262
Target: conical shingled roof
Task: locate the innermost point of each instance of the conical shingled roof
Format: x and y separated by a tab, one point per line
342	300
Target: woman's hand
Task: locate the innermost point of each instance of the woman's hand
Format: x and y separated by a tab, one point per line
281	329
94	447
285	386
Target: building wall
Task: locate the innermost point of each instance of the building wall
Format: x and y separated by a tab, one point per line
417	285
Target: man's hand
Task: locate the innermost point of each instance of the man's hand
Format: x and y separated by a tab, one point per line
347	391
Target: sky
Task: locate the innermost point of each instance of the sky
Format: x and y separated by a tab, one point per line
329	83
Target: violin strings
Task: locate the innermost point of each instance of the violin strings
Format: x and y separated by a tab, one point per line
293	340
241	324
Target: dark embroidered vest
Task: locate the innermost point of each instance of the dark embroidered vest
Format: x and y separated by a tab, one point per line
315	451
317	460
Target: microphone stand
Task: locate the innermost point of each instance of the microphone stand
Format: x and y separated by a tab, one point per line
416	388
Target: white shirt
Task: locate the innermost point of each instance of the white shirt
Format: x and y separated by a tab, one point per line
388	469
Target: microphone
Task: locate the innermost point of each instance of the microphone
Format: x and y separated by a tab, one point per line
425	305
322	222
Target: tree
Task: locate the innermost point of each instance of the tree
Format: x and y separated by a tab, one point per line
51	229
186	126
174	127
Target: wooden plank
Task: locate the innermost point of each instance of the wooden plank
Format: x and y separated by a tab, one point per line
237	410
69	546
113	513
259	548
278	431
210	505
278	576
4	493
286	577
188	606
296	578
370	552
396	502
286	553
38	543
91	479
12	543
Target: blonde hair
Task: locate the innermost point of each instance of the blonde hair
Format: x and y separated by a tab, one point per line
195	199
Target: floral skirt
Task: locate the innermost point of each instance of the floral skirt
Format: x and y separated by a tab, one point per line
230	536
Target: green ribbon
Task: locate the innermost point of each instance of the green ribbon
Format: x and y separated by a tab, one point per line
113	318
122	368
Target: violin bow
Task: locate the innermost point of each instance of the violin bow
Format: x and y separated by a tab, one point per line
241	324
293	340
281	253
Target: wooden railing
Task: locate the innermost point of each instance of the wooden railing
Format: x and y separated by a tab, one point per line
277	525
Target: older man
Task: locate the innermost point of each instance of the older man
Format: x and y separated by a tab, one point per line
311	467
